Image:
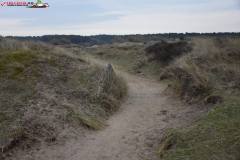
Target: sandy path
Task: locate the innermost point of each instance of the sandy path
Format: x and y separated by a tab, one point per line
134	132
125	138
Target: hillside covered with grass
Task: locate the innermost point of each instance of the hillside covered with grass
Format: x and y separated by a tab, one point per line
210	73
45	90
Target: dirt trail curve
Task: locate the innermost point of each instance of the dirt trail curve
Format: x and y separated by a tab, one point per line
134	132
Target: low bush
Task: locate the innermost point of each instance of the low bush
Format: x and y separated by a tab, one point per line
164	51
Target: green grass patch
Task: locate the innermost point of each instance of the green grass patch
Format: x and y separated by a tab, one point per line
151	69
129	57
216	136
17	87
125	62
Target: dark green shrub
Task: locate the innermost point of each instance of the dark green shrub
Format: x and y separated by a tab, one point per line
164	51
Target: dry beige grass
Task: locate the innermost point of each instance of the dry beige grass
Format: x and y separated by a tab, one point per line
13	44
193	72
44	88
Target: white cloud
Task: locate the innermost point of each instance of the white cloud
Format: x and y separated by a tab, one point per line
12	22
148	23
165	22
204	16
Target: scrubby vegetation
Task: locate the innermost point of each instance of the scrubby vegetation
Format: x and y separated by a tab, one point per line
128	56
44	88
210	73
148	59
210	63
164	52
199	70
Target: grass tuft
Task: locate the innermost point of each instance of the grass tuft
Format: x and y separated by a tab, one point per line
90	121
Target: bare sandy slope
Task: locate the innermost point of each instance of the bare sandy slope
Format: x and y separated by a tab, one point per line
134	132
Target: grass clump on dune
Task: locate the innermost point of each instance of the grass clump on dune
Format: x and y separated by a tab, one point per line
210	72
198	72
44	87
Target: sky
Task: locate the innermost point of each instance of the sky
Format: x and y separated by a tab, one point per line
119	17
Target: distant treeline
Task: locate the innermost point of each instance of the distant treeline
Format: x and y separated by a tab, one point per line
103	39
